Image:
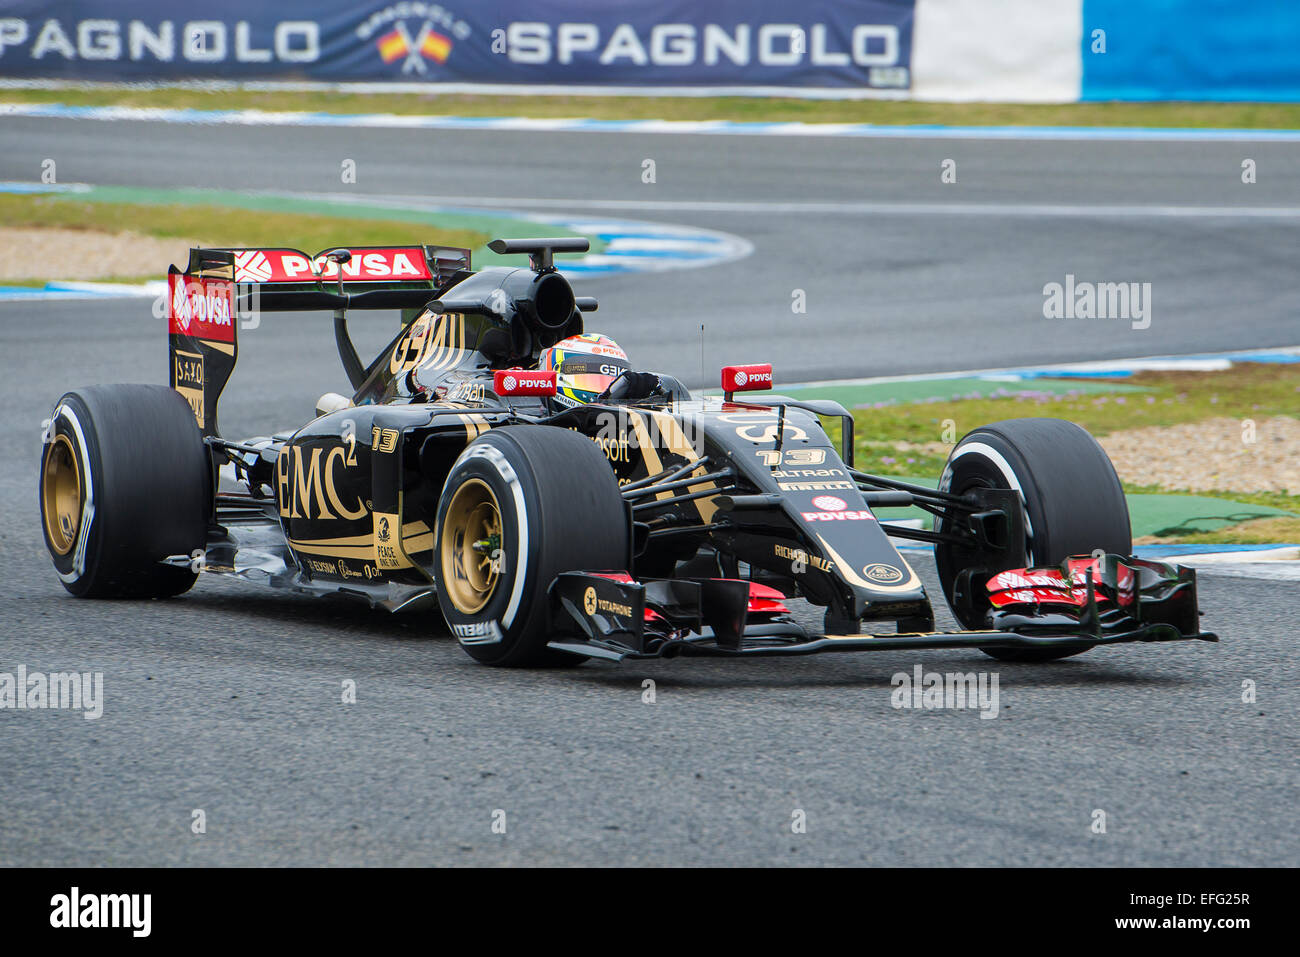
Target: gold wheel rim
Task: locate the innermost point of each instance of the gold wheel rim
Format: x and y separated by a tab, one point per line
471	543
61	495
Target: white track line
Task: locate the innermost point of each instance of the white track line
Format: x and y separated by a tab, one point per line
670	127
1023	210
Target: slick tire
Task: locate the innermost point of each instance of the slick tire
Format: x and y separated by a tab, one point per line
1074	503
125	483
521	505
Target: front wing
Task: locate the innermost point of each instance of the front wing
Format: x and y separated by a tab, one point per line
610	616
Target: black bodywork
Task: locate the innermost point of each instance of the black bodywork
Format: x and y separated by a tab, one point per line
719	493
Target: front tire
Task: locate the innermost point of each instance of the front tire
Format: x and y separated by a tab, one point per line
1074	505
125	483
521	505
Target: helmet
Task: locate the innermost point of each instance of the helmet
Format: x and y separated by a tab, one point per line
584	367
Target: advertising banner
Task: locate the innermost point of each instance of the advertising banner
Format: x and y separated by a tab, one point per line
863	44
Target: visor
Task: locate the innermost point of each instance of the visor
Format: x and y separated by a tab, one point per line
590	374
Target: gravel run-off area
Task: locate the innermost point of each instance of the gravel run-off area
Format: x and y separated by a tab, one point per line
86	254
1223	454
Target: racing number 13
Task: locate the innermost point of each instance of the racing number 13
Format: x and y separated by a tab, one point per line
773	457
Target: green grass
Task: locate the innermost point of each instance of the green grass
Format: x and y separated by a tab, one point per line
221	225
1269	499
1247	390
765	109
1261	531
40	283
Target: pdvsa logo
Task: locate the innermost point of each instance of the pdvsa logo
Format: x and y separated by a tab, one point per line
201	307
414	33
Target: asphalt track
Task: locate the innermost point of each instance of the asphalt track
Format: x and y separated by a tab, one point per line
229	700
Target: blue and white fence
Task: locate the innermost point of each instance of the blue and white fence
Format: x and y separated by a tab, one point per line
1007	50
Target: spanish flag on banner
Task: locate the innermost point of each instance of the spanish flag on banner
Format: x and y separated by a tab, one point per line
392	46
436	47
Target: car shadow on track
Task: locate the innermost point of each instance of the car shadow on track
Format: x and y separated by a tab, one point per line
351	619
344	616
858	671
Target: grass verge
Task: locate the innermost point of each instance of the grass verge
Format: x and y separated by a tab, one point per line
1261	531
219	225
909	439
763	109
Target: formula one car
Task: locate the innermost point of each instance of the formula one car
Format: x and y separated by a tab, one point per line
559	504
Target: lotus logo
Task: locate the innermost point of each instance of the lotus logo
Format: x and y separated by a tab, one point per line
589	601
742	377
880	572
829	503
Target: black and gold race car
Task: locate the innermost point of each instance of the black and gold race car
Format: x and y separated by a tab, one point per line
646	523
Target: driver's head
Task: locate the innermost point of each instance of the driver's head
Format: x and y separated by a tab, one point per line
584	367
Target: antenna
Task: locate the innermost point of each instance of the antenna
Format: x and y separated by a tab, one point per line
702	376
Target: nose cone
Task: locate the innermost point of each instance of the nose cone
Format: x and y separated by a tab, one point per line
877	576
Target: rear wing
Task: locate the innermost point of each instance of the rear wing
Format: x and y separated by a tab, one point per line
222	287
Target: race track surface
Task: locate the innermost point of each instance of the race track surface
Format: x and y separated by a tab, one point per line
228	700
902	273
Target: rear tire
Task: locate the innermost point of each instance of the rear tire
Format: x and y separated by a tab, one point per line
541	501
125	483
1074	504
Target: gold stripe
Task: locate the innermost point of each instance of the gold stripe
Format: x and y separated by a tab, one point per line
345	541
366	552
672	432
471	430
431	359
648	452
227	347
475	424
851	575
457	349
417	543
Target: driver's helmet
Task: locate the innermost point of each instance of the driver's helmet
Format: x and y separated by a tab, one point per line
584	367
